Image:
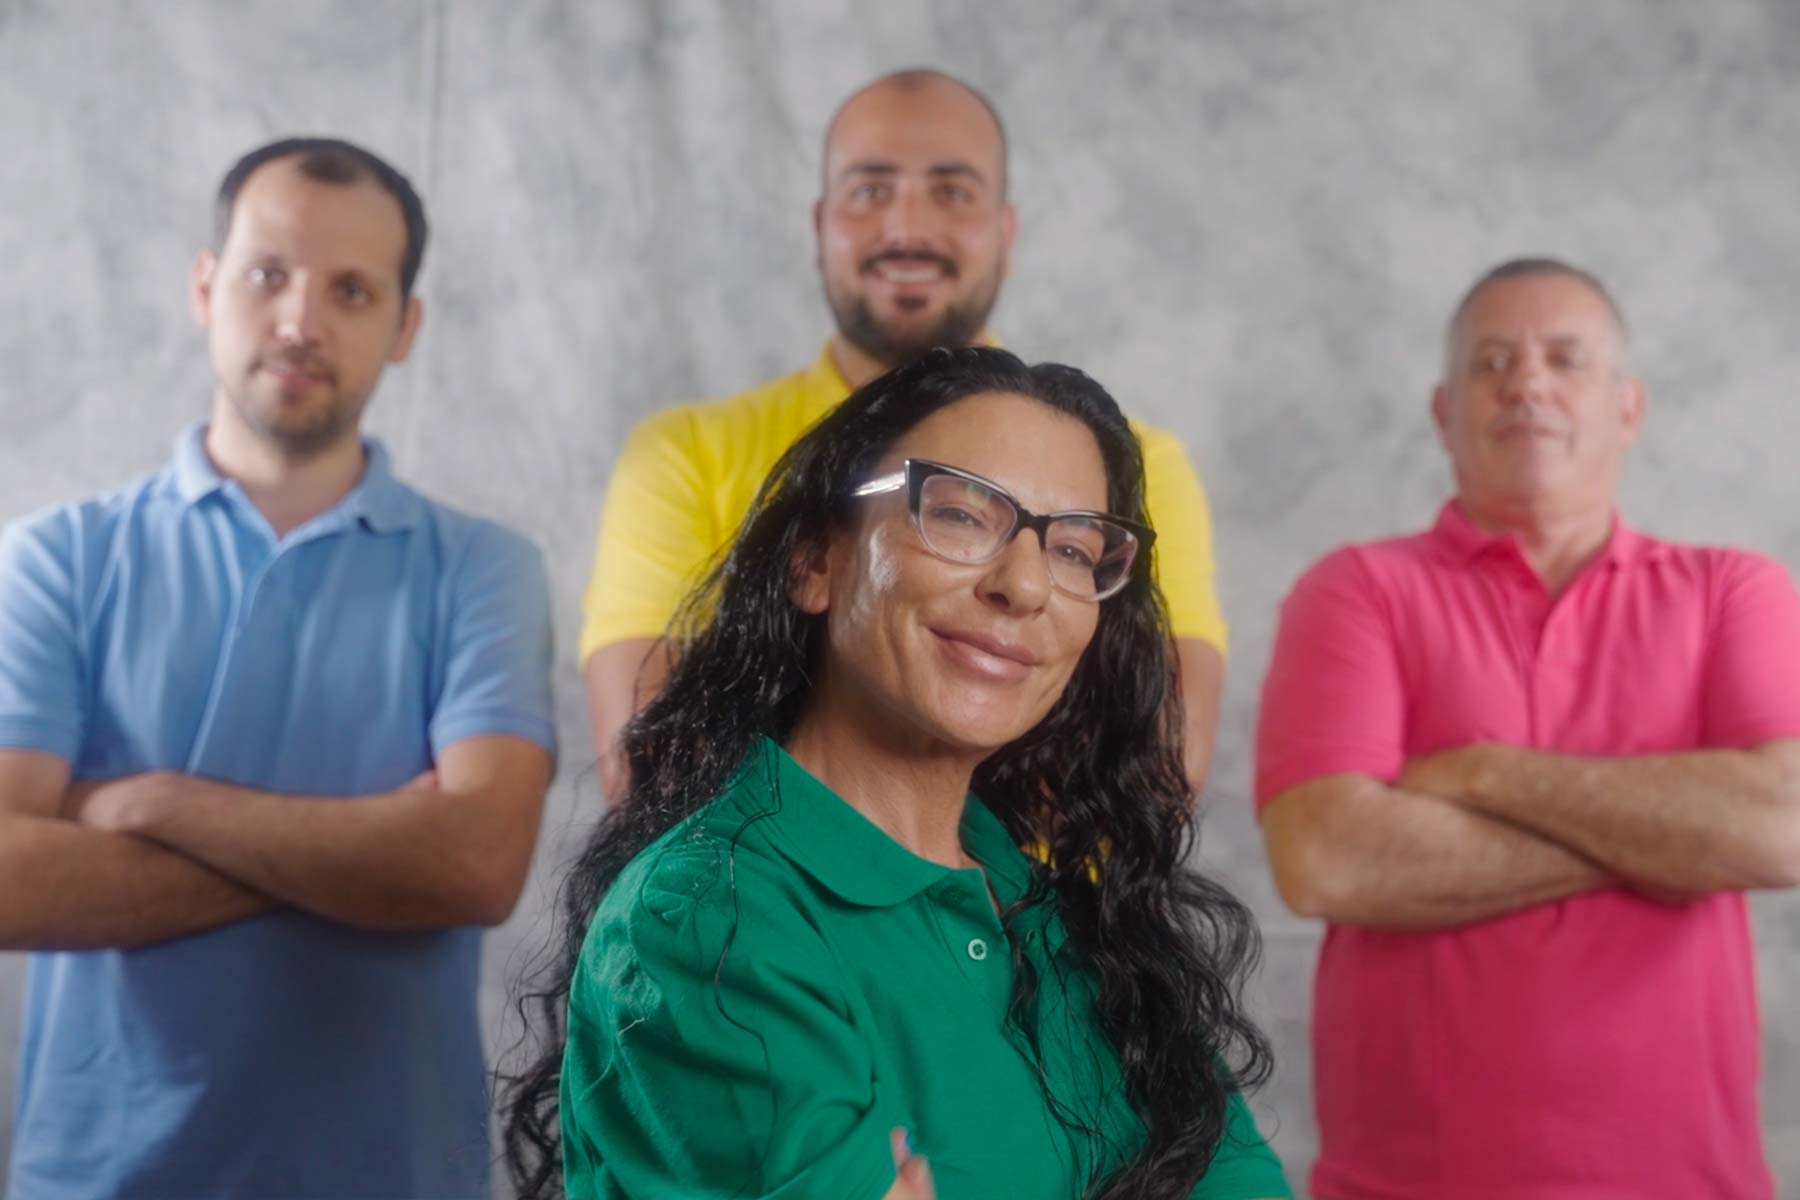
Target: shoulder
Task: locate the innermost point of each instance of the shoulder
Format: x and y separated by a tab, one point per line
1157	442
712	879
727	844
1372	565
687	428
471	545
1365	587
1723	562
64	536
1166	460
1702	577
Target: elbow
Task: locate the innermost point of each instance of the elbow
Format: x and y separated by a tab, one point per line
1308	897
1780	866
1308	879
494	911
1772	852
482	904
493	896
476	898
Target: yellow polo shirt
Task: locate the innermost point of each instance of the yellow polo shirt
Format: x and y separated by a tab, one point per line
686	477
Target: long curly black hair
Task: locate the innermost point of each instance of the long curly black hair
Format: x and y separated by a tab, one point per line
1098	783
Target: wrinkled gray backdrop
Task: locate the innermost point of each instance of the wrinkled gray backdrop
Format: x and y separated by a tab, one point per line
1247	218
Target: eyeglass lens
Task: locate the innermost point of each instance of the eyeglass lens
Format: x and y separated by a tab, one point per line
965	521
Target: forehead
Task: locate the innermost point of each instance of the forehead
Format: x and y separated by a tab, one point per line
1047	459
281	211
1536	306
930	123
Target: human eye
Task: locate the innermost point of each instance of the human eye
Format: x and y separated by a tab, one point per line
868	192
1078	543
1568	358
955	193
355	293
962	504
1492	360
968	514
265	276
1075	555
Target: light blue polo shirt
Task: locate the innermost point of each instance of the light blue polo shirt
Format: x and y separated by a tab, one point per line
164	626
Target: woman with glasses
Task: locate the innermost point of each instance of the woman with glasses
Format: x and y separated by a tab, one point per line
897	905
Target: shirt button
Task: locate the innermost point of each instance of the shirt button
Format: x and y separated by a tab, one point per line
977	949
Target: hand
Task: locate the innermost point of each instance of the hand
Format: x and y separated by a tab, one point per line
1447	774
912	1174
118	805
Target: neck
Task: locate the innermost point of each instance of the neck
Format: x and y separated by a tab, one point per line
288	491
1556	543
855	364
913	793
858	366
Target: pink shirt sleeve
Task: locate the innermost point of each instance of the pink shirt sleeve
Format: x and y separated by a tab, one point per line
1332	701
1752	680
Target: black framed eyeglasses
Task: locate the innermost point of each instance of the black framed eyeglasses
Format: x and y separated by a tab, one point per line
967	519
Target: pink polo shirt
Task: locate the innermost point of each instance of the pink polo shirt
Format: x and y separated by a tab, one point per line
1602	1046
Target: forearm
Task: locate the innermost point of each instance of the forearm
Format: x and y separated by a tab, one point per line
416	858
1352	850
1691	823
1202	675
63	887
622	677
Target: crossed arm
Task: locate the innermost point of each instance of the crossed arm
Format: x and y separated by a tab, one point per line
1486	829
148	857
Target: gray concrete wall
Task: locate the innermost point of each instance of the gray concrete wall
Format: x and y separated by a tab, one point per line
1247	218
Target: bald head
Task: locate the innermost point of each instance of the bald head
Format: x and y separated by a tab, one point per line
921	96
913	225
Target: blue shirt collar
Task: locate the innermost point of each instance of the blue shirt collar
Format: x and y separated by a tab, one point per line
379	500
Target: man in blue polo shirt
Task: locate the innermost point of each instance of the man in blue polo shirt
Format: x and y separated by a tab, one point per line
274	738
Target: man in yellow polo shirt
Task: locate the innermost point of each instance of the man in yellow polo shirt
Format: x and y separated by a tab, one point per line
914	231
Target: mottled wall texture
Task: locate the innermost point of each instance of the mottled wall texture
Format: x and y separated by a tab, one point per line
1248	218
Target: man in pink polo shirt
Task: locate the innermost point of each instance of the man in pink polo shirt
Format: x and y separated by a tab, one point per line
1525	764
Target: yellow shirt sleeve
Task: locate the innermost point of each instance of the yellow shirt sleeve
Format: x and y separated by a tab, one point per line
1184	538
657	533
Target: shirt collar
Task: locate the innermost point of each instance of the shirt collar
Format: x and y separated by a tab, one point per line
1465	541
825	387
824	836
195	477
379	500
383	503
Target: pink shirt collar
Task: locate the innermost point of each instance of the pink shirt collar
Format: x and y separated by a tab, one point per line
1464	540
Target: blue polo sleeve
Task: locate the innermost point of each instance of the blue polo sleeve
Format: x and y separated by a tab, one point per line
712	1048
496	678
41	659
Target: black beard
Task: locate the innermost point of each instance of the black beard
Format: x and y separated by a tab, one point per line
960	325
860	327
303	443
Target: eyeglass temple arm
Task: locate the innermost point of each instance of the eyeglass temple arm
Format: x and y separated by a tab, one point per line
887	483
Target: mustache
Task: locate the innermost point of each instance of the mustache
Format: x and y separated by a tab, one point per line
296	361
930	256
1501	426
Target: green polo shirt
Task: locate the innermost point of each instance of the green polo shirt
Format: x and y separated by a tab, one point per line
775	984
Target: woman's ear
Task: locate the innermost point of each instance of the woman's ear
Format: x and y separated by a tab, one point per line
809	577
